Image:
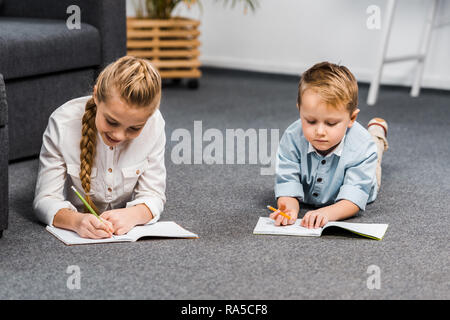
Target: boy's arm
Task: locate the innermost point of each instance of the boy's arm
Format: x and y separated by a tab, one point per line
287	170
360	178
342	209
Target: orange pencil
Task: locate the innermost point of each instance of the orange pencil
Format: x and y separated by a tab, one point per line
281	212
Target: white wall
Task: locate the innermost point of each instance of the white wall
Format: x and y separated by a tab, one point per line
288	36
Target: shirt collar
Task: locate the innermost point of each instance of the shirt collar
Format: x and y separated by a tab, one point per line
337	151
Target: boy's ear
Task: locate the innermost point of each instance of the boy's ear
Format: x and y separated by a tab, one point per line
353	117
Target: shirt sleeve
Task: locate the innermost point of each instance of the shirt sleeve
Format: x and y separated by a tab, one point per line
287	179
151	185
49	192
360	179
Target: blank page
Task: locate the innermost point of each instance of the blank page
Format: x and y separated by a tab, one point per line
160	229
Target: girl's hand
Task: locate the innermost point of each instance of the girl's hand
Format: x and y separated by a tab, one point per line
89	226
122	220
289	206
315	218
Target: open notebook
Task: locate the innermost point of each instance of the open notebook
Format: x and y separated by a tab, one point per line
165	229
370	230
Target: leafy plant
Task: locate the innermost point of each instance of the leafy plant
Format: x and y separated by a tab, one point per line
162	9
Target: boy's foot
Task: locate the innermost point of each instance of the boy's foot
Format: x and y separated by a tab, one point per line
379	127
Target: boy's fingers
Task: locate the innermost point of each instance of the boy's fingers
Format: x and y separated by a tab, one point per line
278	220
305	220
312	220
274	215
318	221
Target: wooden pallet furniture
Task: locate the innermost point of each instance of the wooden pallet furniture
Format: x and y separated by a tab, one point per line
171	45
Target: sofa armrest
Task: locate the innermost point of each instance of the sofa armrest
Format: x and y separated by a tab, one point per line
3	104
108	16
4	153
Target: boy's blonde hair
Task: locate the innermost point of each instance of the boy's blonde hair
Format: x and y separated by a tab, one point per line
335	84
137	83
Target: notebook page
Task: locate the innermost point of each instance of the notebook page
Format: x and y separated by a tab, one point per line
266	225
167	229
376	230
71	237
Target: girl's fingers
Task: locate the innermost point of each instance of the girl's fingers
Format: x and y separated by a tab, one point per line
91	233
109	226
100	228
121	231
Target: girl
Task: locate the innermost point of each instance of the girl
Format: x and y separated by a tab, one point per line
111	145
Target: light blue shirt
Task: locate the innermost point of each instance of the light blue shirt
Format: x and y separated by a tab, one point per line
348	172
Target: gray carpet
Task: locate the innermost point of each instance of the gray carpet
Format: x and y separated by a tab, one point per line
222	203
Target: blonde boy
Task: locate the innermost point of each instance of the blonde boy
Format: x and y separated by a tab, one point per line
326	158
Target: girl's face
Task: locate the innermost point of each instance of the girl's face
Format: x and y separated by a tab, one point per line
118	122
324	126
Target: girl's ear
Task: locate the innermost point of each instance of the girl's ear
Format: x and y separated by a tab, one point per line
353	117
95	95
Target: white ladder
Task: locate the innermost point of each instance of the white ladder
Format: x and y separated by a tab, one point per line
419	57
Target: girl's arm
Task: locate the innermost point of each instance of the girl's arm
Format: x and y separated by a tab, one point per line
49	193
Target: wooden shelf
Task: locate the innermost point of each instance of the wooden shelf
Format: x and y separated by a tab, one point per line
171	45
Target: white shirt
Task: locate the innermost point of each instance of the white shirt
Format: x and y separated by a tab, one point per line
128	174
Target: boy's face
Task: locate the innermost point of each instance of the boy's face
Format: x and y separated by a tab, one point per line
117	122
323	125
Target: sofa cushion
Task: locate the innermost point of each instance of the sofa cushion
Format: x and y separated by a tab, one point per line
30	46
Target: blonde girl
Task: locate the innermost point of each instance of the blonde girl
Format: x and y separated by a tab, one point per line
111	146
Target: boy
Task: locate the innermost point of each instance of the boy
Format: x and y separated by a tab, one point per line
326	158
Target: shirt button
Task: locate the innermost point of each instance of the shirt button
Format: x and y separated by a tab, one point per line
324	161
109	170
315	194
319	179
109	189
111	148
137	172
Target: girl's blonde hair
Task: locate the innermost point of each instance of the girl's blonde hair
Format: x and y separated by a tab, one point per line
335	84
137	83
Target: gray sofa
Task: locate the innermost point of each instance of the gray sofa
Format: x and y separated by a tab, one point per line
3	158
45	63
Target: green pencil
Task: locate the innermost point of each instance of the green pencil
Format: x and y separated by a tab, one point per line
86	204
89	207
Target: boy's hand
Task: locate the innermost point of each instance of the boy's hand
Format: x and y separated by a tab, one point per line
315	218
289	206
88	226
122	220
